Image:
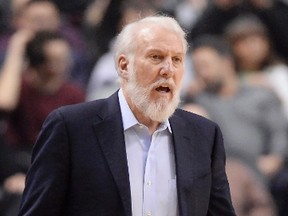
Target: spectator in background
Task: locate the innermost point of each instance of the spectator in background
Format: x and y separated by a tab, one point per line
43	15
273	13
250	117
100	26
12	173
26	99
42	87
255	58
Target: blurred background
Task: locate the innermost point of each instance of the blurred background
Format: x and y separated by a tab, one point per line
55	53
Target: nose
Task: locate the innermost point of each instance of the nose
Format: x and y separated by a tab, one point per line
167	69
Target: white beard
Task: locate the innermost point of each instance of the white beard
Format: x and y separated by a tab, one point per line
158	110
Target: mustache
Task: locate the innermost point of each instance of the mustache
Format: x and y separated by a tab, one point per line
164	82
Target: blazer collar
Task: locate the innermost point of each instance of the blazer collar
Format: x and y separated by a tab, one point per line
109	133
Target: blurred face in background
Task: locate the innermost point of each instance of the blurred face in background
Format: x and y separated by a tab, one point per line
210	67
57	58
251	51
39	16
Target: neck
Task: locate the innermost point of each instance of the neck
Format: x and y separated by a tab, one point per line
229	88
249	66
45	84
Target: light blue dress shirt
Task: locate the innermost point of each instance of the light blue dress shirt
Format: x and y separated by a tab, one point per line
151	164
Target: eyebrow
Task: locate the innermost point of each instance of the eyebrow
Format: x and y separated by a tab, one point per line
159	50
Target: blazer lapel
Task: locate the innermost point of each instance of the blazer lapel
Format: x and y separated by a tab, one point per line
184	157
110	135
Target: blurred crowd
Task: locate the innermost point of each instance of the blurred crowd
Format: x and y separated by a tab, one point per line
55	53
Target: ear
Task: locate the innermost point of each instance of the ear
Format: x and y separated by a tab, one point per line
123	66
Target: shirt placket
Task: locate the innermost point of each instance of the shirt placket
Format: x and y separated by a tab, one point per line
150	181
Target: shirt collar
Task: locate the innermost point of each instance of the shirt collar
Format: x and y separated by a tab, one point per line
128	118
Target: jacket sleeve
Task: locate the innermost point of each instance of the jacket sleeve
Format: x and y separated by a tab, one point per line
48	176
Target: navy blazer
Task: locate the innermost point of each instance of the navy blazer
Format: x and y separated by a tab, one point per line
79	164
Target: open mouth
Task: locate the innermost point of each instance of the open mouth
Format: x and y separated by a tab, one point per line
163	89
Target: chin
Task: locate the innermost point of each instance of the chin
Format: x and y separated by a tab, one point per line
161	109
161	98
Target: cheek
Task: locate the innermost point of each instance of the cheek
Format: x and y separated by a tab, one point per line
147	75
178	78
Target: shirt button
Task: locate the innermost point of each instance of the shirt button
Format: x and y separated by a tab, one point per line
148	213
149	183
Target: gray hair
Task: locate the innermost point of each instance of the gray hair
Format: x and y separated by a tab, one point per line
125	41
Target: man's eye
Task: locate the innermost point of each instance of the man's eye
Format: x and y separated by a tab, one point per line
156	57
177	59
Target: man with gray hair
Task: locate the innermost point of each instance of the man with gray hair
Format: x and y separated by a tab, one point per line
133	153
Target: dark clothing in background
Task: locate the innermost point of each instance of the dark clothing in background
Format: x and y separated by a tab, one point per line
10	164
26	120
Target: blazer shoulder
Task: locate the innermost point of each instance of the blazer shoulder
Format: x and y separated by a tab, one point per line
189	116
88	111
79	109
195	120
